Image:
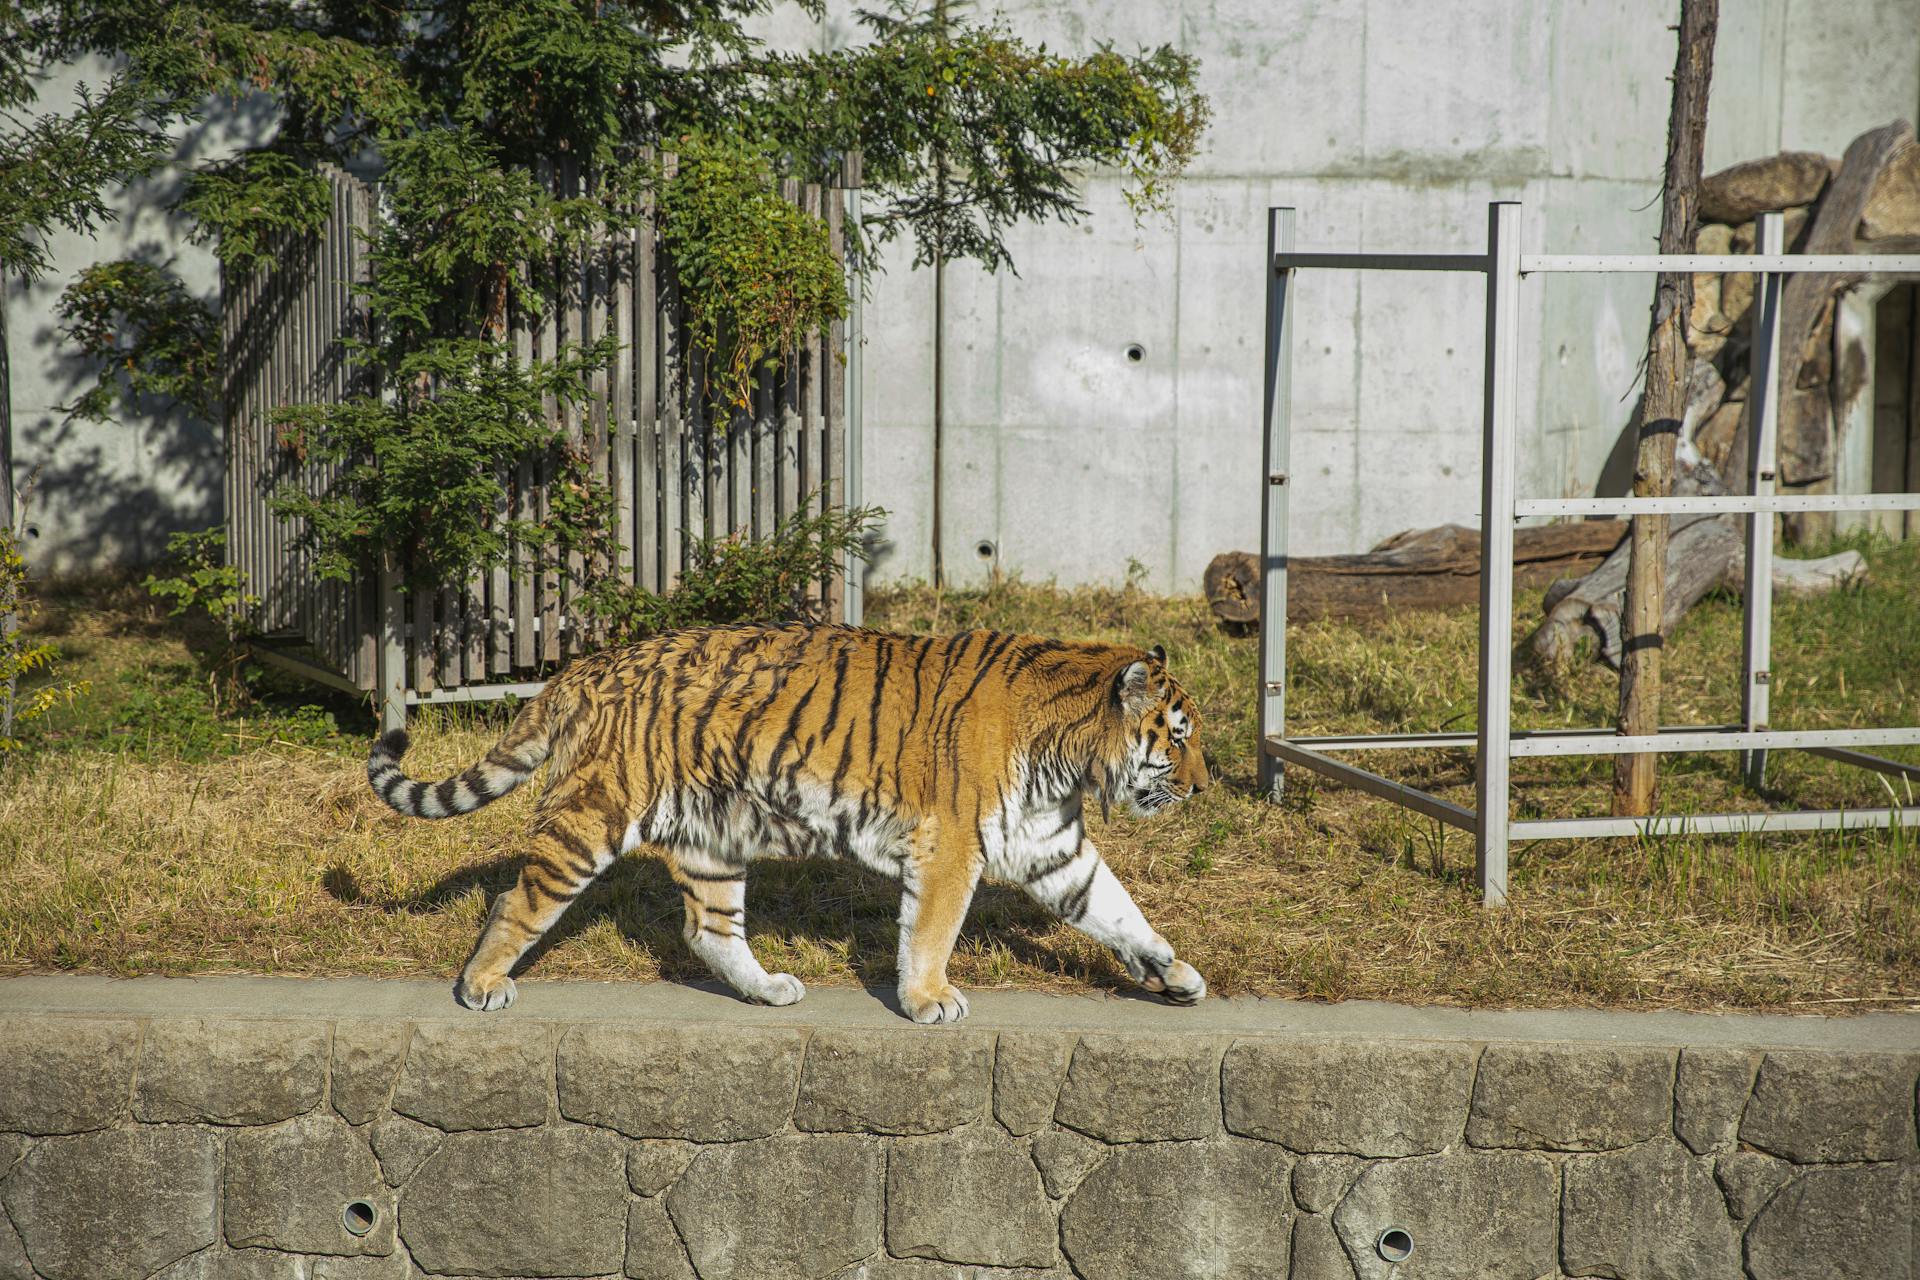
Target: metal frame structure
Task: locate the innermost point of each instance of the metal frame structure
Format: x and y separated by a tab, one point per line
1495	741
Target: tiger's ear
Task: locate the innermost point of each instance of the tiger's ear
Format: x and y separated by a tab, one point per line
1130	687
1158	654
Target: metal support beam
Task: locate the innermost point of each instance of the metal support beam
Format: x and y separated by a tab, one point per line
1614	744
1362	780
1879	264
1763	436
1718	504
1288	261
1497	467
1861	759
1715	823
1277	409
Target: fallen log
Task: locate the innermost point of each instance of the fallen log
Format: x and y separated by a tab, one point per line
1415	569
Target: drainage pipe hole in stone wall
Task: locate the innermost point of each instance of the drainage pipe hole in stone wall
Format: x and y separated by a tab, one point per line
1395	1244
358	1217
1135	352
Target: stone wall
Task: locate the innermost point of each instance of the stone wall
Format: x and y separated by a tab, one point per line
200	1148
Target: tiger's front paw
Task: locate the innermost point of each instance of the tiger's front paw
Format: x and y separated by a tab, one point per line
944	1003
780	989
1180	984
482	996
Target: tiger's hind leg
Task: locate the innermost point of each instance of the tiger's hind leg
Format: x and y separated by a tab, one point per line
715	898
562	863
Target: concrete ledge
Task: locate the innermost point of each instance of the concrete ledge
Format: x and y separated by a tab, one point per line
277	1129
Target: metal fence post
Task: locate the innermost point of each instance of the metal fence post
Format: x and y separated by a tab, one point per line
855	601
1763	421
390	656
1497	454
1273	507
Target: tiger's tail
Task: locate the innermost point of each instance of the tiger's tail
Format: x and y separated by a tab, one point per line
510	762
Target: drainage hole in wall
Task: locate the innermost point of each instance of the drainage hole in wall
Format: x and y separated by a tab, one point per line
358	1217
985	549
1395	1244
1136	352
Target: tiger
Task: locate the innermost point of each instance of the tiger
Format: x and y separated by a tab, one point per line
934	761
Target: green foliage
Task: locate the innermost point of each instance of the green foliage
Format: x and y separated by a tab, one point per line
243	204
201	581
152	337
19	658
734	579
420	477
758	272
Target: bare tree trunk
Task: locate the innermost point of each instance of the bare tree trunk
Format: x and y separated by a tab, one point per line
1664	406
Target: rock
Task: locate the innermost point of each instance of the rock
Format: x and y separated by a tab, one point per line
64	1075
1363	1098
391	1267
1748	1179
549	1201
1713	238
1709	1093
12	1147
367	1057
1746	236
1838	1224
1707	329
1320	1181
881	1267
920	1081
1740	193
1721	440
1736	299
1894	207
477	1075
237	1264
652	1165
13	1254
403	1145
1806	436
1475	1213
1651	1212
654	1251
680	1082
1064	1158
1138	1089
1216	1209
1317	1253
287	1188
1570	1097
825	1194
1812	1105
1027	1070
117	1204
230	1071
970	1199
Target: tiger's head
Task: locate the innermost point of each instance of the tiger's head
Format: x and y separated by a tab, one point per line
1159	760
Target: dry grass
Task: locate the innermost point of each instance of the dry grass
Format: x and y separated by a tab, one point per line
252	845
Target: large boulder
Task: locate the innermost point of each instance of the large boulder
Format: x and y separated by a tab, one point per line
1174	1211
1893	210
1760	186
118	1204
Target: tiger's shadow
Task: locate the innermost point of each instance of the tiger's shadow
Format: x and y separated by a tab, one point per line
793	906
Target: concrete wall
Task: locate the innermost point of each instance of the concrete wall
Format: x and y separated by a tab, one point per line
1389	124
165	1137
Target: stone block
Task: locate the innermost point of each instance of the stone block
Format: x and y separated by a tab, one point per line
1475	1213
1027	1069
1650	1212
1174	1211
1320	1181
1748	1179
287	1188
1064	1158
1709	1093
968	1198
230	1071
477	1075
117	1204
13	1254
403	1145
881	1267
1130	1088
220	1263
1781	181
680	1082
392	1267
1838	1224
1355	1097
367	1057
1317	1252
1812	1106
542	1202
652	1165
1571	1097
827	1189
898	1082
12	1147
64	1075
654	1251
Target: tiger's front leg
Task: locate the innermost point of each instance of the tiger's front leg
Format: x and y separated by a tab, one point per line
936	887
1077	886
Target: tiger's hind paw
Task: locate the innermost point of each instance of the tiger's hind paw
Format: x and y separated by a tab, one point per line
484	998
945	1004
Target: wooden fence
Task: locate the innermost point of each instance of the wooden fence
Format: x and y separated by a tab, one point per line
287	327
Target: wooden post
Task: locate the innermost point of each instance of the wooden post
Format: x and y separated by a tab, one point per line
1663	407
